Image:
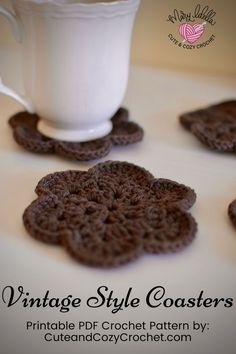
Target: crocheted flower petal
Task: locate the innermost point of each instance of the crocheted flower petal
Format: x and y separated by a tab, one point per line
122	174
232	212
84	151
61	183
167	229
42	219
226	107
219	135
126	133
23	119
189	118
32	140
104	245
208	115
120	116
168	192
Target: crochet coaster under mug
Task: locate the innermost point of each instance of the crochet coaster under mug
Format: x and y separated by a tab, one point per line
25	133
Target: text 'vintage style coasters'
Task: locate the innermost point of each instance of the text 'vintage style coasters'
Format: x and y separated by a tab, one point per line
214	126
232	212
111	214
25	133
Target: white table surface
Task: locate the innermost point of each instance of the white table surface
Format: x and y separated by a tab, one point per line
155	97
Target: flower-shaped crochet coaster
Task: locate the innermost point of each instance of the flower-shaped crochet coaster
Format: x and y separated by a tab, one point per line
25	133
214	126
111	214
232	212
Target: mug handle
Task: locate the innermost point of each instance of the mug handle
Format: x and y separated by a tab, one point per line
18	34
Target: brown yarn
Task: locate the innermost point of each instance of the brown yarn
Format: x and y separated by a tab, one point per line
111	214
232	212
25	133
214	126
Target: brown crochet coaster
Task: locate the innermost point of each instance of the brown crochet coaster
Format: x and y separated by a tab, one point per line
111	214
25	133
232	212
214	126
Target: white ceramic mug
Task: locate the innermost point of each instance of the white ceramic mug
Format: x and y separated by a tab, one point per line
75	63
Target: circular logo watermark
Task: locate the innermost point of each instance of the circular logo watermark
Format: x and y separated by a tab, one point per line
191	26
